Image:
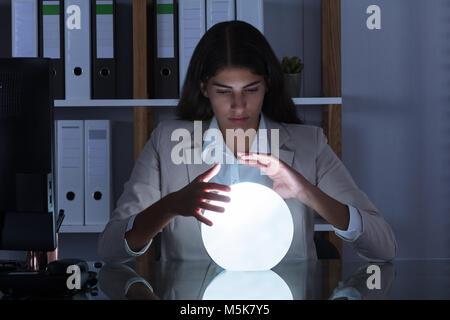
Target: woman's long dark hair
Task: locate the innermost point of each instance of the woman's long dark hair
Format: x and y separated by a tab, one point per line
234	44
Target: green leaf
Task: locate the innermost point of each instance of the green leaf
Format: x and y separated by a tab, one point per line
291	65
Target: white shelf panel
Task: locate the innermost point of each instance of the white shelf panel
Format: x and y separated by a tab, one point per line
168	102
323	227
117	103
99	228
81	229
317	101
320	224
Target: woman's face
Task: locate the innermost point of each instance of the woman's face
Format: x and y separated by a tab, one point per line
236	97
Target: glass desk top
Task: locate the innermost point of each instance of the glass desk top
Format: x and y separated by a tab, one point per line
298	280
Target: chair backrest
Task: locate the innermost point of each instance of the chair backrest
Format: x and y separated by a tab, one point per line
324	248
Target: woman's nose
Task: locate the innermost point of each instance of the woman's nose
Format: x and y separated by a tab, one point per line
238	101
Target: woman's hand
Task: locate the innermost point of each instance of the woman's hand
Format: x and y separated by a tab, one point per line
290	184
190	200
287	182
187	202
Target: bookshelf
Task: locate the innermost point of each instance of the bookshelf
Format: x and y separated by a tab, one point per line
320	101
330	102
82	229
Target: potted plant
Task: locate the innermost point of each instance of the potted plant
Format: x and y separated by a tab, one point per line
292	69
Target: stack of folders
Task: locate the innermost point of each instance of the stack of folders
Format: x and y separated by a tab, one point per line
83	171
179	26
79	37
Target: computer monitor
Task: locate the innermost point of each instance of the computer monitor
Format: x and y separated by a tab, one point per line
27	210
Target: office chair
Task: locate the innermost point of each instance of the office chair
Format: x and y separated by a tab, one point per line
324	248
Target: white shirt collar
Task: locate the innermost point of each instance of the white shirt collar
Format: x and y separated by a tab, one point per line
259	144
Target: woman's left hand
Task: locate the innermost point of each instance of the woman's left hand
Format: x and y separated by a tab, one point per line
287	182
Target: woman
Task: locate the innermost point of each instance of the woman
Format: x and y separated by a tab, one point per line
234	81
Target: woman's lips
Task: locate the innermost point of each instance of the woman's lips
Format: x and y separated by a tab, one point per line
238	120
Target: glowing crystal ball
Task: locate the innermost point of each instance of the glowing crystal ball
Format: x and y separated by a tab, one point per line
255	231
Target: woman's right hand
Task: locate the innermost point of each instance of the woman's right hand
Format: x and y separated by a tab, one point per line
190	200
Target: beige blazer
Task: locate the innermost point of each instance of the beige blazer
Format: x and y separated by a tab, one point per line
302	147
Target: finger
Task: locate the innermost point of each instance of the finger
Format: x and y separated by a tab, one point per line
215	197
211	207
212	186
273	164
246	157
270	169
253	163
261	157
209	174
202	219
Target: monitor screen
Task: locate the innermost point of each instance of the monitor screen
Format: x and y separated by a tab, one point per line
27	217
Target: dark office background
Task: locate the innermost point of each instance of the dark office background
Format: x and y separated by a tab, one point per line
395	114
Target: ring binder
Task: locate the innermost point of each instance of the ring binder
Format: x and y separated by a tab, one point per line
103	49
166	50
97	172
70	170
77	37
191	27
251	11
24	27
219	11
51	41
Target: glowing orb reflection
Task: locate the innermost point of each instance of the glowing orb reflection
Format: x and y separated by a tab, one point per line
247	285
255	231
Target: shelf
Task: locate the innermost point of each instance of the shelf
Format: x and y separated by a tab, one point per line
321	224
323	227
168	102
82	229
99	228
319	101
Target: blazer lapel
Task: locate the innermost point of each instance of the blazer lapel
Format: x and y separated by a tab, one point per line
194	170
192	155
192	159
285	154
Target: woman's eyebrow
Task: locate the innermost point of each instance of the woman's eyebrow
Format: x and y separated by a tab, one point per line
224	86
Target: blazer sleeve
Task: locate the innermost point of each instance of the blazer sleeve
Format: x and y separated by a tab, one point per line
140	191
376	241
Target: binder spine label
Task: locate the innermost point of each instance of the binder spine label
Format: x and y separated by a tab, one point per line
97	156
24	27
51	29
105	29
165	29
219	11
192	25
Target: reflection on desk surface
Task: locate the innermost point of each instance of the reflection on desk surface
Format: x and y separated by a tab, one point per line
322	279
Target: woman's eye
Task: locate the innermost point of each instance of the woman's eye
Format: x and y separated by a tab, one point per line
229	92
